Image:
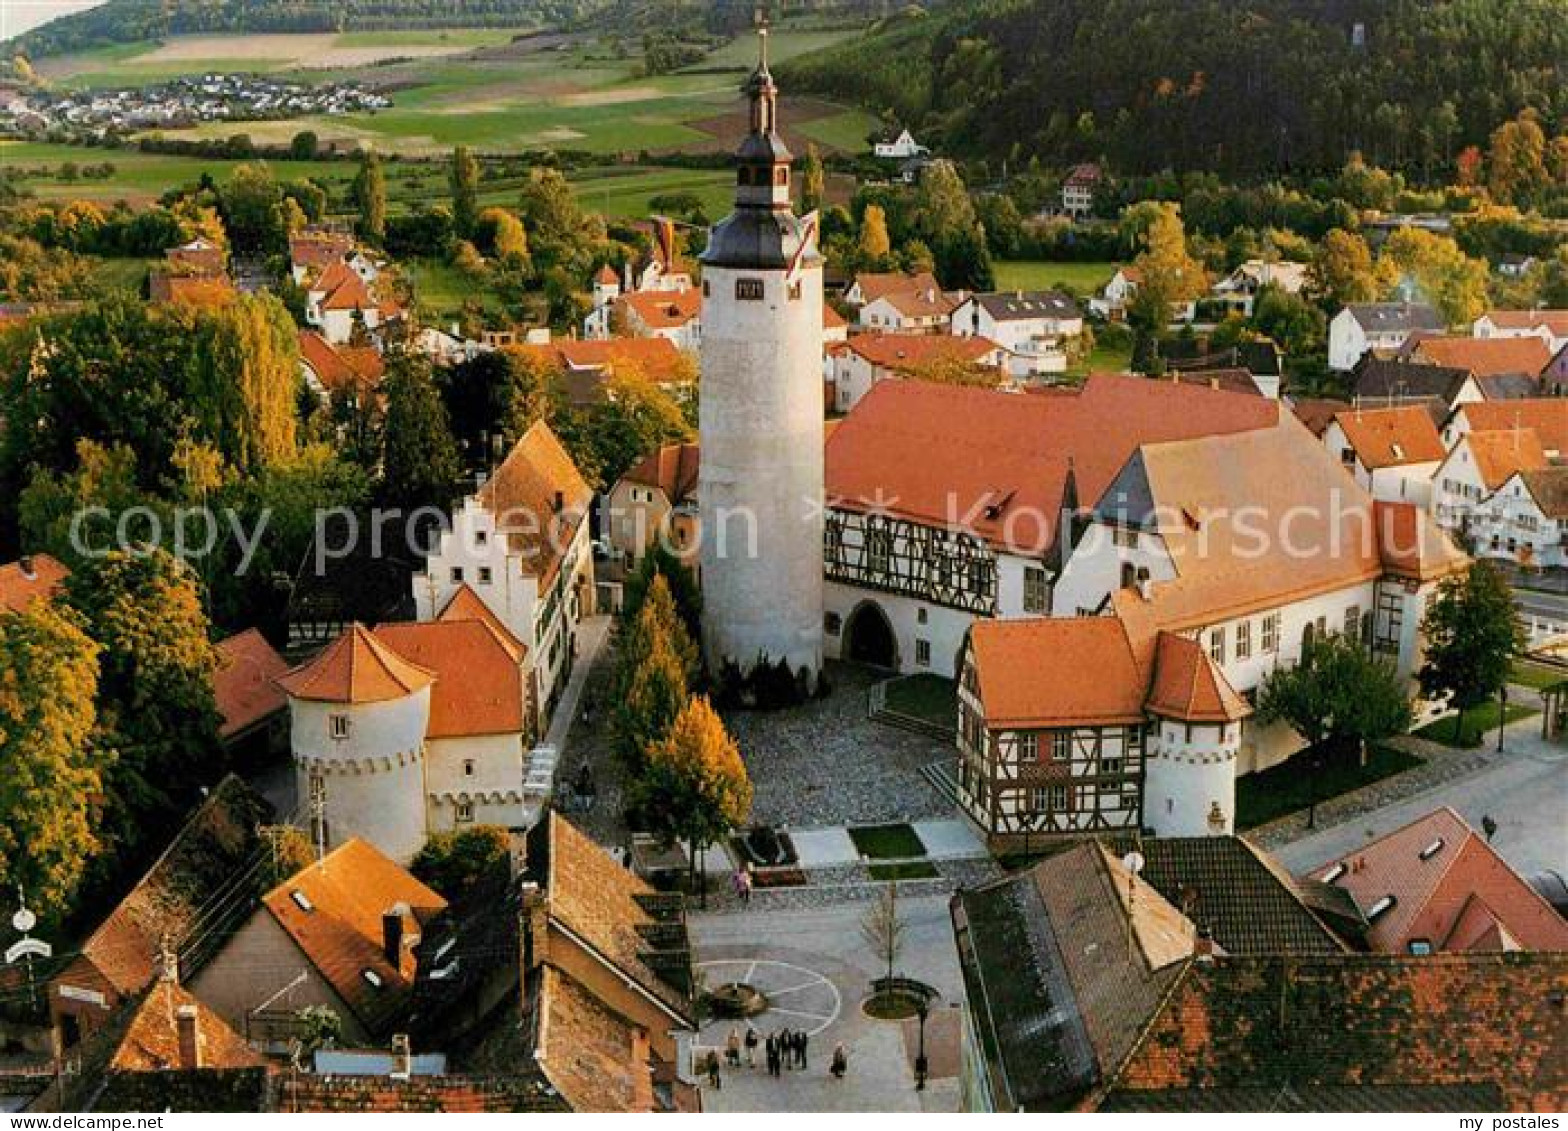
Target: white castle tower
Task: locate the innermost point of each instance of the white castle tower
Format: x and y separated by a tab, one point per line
761	413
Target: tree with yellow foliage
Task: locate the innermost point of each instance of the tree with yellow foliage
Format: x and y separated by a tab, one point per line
695	787
1452	281
875	246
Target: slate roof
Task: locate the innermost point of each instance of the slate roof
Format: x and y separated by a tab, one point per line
1026	306
1395	317
1377	379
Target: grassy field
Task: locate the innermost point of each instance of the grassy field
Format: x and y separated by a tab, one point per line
1478	722
1295	784
1538	676
440	290
1039	274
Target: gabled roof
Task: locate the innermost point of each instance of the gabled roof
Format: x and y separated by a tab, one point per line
607	277
878	284
1317	412
929	302
1488	357
355	668
32	578
907	353
1024	306
1547	416
593	1056
1395	317
832	319
1188	686
478	675
341	288
353	368
1057	671
1232	380
151	1041
538	497
1498	455
244	686
347	892
673	469
1391	437
318	249
657	359
999	462
1508	386
465	604
1386	381
1548	486
1411	545
1433	869
1556	321
663	310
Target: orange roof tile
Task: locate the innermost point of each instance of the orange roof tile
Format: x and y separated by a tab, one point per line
1486	357
1555	321
193	290
29	579
341	934
1317	412
832	319
539	499
657	359
340	367
152	1039
1434	868
478	677
1187	685
907	353
593	1056
355	668
662	310
1411	545
878	284
244	686
997	463
927	302
342	289
465	604
1057	671
1392	437
1498	455
1546	416
607	276
673	469
318	249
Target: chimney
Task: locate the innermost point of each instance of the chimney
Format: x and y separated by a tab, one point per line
536	927
190	1045
560	502
26	564
1203	948
402	1057
392	935
642	1076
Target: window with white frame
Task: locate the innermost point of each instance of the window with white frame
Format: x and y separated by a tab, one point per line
1217	644
1269	636
1244	640
464	813
1061	745
1028	746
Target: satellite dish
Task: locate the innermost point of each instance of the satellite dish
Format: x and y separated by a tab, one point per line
24	921
1133	862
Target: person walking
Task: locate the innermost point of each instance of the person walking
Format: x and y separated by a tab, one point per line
751	1045
773	1055
805	1039
840	1061
743	885
732	1048
715	1080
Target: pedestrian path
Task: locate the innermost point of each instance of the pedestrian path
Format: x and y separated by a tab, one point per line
591	636
831	847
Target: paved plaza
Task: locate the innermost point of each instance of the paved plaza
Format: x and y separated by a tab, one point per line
816	969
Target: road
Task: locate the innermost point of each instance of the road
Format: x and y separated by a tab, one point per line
1526	793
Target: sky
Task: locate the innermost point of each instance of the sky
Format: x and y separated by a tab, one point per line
17	16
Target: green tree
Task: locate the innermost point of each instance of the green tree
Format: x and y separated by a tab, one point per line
1472	633
695	787
660	562
254	348
633	417
253	210
421	465
155	704
813	181
1342	271
464	178
1338	697
304	146
54	770
1516	162
460	864
500	234
652	692
370	197
1169	274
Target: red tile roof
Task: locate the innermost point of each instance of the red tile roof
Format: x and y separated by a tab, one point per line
478	676
1487	357
997	463
1498	455
1051	671
879	284
1447	884
341	288
673	469
244	686
832	319
355	668
657	359
194	290
539	499
341	934
1316	412
607	276
29	579
1555	321
340	367
468	605
1391	437
593	1056
318	249
1546	416
152	1043
1411	545
909	353
662	310
1188	686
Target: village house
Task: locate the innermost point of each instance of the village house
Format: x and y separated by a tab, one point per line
899	148
521	543
676	315
1116	297
1546	416
1237	292
656	499
1078	189
341	933
944	502
1385	383
1525	521
585	368
1436	886
1383	326
198	257
923	310
1034	327
341	305
313	250
351	373
867	359
1392	452
252	709
1080	964
1478	464
32	577
1551	326
1525	356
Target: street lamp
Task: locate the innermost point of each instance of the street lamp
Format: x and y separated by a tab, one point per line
922	1010
1502	715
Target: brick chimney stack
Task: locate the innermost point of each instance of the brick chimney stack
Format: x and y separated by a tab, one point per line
185	1018
392	936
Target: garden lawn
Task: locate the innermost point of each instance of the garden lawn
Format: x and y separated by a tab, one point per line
441	289
1294	784
930	698
1040	275
1478	721
1527	673
887	842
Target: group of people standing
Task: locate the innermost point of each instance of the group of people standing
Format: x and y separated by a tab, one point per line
785	1050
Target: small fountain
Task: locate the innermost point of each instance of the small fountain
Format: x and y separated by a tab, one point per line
736	999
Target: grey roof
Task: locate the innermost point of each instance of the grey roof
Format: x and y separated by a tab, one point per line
1407	380
1388	317
759	238
1508	386
1020	306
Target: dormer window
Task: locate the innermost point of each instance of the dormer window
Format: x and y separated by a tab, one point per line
301	900
1381	908
371	978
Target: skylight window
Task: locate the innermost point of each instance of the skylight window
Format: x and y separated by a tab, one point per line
301	900
1334	873
1432	849
1381	908
372	977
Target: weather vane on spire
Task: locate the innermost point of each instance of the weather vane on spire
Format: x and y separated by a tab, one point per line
762	43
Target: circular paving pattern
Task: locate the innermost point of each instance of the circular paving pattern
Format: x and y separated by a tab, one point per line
798	997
